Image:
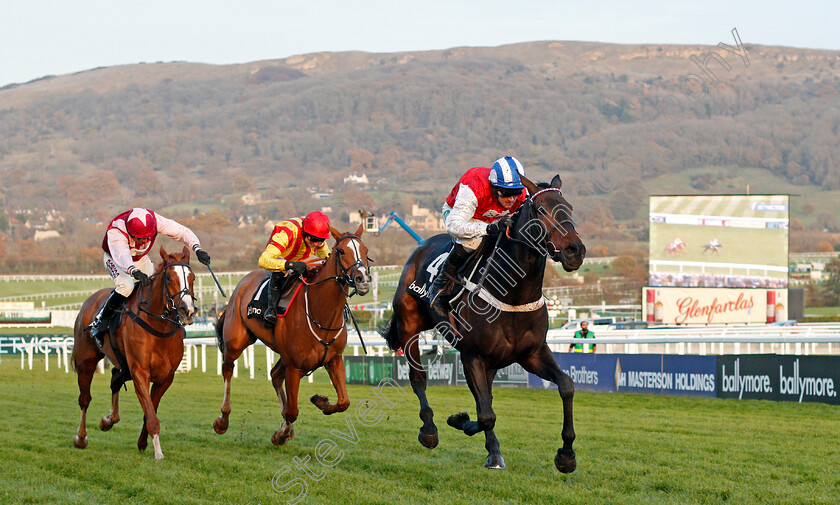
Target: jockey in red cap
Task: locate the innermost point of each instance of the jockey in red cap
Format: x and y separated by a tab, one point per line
291	242
127	243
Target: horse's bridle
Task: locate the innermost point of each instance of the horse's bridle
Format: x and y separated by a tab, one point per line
544	244
172	300
343	274
344	278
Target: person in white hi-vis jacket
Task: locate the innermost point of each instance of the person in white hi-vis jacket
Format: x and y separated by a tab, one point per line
127	242
479	205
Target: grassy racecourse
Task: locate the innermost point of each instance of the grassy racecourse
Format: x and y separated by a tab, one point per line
632	449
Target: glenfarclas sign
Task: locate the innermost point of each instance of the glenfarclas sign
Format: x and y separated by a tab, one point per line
691	308
714	305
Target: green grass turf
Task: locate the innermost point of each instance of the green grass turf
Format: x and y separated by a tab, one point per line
632	449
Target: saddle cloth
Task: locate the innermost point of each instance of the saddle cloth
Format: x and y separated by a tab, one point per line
419	287
288	291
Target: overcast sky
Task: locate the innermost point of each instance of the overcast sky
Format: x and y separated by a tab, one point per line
44	37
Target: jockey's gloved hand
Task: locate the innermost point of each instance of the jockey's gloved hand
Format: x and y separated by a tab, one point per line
140	276
202	256
498	226
298	267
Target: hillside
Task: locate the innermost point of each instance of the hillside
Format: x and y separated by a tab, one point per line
615	120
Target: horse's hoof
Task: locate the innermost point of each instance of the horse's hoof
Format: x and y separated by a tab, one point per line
319	401
563	463
220	425
106	424
80	443
495	462
282	436
457	420
428	440
142	444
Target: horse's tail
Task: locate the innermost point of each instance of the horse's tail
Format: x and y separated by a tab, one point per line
219	327
389	332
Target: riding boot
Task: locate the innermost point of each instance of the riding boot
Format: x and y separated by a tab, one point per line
441	289
270	316
99	326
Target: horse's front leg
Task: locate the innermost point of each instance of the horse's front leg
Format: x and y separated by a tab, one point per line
113	417
85	368
543	365
480	380
158	388
290	408
335	367
150	418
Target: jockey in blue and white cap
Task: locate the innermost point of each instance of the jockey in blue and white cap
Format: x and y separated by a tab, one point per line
479	205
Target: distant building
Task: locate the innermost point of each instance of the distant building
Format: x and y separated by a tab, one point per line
251	198
356	179
45	234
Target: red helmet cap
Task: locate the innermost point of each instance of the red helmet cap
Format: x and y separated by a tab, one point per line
141	223
317	224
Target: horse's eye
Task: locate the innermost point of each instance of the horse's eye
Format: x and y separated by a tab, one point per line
340	251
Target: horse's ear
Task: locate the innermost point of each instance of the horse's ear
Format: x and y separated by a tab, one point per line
335	233
530	186
556	182
163	253
186	253
360	230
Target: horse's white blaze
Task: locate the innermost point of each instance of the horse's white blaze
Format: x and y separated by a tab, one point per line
156	442
182	279
357	257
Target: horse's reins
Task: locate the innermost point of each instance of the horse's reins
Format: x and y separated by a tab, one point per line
170	300
344	279
546	238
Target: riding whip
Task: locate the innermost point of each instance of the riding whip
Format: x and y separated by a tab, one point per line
347	307
217	281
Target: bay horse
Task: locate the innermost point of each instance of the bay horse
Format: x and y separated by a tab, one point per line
149	344
515	332
311	334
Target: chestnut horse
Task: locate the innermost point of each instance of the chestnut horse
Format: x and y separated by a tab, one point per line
149	340
312	333
491	336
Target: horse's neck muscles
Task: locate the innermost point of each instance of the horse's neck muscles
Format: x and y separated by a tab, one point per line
328	293
524	269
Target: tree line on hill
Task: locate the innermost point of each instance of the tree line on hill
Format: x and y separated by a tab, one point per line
193	144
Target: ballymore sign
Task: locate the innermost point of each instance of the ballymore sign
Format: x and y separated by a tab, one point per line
695	306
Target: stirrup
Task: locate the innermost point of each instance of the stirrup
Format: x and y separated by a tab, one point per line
270	323
96	333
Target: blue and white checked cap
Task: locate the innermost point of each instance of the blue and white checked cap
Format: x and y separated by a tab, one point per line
505	173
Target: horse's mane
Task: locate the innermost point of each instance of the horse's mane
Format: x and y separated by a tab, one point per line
160	265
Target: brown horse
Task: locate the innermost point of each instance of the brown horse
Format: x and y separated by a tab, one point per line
149	342
311	334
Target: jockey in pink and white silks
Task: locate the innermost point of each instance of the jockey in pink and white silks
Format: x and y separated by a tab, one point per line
126	244
479	205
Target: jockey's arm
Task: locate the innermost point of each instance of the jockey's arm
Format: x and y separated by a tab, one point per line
119	249
460	224
177	231
272	257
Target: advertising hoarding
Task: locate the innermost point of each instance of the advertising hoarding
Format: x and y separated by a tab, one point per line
705	306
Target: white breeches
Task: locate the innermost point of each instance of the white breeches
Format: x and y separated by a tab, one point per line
124	282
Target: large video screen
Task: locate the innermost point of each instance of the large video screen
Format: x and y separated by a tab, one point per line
733	241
